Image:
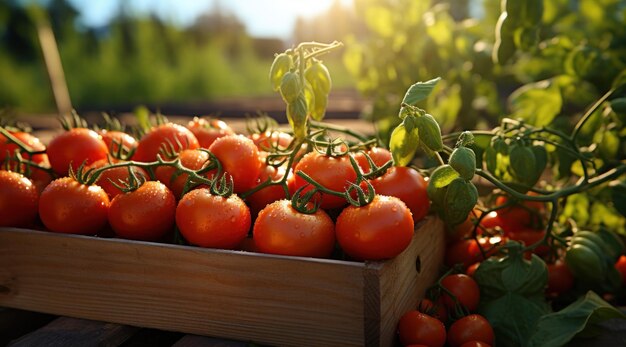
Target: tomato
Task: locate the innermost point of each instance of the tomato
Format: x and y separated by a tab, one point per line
146	213
437	310
166	134
379	230
270	139
334	173
208	130
240	158
475	344
261	198
406	184
113	138
40	178
560	279
519	216
470	328
471	270
281	229
464	288
207	220
115	174
67	206
75	146
528	237
491	220
461	231
379	156
19	199
31	141
620	265
418	328
192	159
467	252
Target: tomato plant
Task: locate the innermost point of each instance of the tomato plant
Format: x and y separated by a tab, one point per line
379	230
113	176
281	229
470	328
19	199
419	328
378	155
213	221
68	206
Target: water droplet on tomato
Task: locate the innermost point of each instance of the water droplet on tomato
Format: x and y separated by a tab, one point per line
301	235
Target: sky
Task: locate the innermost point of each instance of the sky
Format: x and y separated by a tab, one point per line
262	18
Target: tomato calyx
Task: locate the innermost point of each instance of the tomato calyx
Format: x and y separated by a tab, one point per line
73	121
303	202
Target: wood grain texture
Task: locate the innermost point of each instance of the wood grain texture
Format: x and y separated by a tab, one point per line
230	294
69	332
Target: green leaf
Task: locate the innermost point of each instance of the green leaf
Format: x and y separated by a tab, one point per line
461	197
430	133
143	117
442	176
403	144
537	103
618	196
578	319
463	160
419	91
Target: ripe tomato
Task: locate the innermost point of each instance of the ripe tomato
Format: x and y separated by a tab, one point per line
239	158
192	159
379	230
335	173
620	265
212	221
268	140
436	310
115	174
66	206
529	236
470	328
113	138
379	156
40	178
475	344
152	142
261	198
467	252
7	147
74	147
461	231
560	279
208	130
464	288
519	216
280	229
406	184
146	213
19	199
471	270
418	328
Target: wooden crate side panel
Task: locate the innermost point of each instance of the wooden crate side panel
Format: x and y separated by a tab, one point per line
267	299
401	284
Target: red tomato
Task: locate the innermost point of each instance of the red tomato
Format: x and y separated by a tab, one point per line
146	213
519	216
406	184
75	146
471	270
268	140
261	198
7	147
620	265
334	173
239	158
115	174
475	344
436	310
212	221
379	230
470	328
379	156
40	178
491	220
113	138
528	237
560	279
152	142
464	288
461	231
418	328
280	229
208	130
66	206
19	199
192	159
467	252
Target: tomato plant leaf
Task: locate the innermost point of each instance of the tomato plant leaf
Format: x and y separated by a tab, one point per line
430	133
404	143
537	103
419	91
618	196
578	319
442	176
143	117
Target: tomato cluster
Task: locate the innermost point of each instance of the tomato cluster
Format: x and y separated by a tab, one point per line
208	186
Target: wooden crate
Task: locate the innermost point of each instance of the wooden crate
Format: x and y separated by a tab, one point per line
277	300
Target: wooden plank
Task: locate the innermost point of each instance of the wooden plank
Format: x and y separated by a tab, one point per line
263	298
69	332
204	341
